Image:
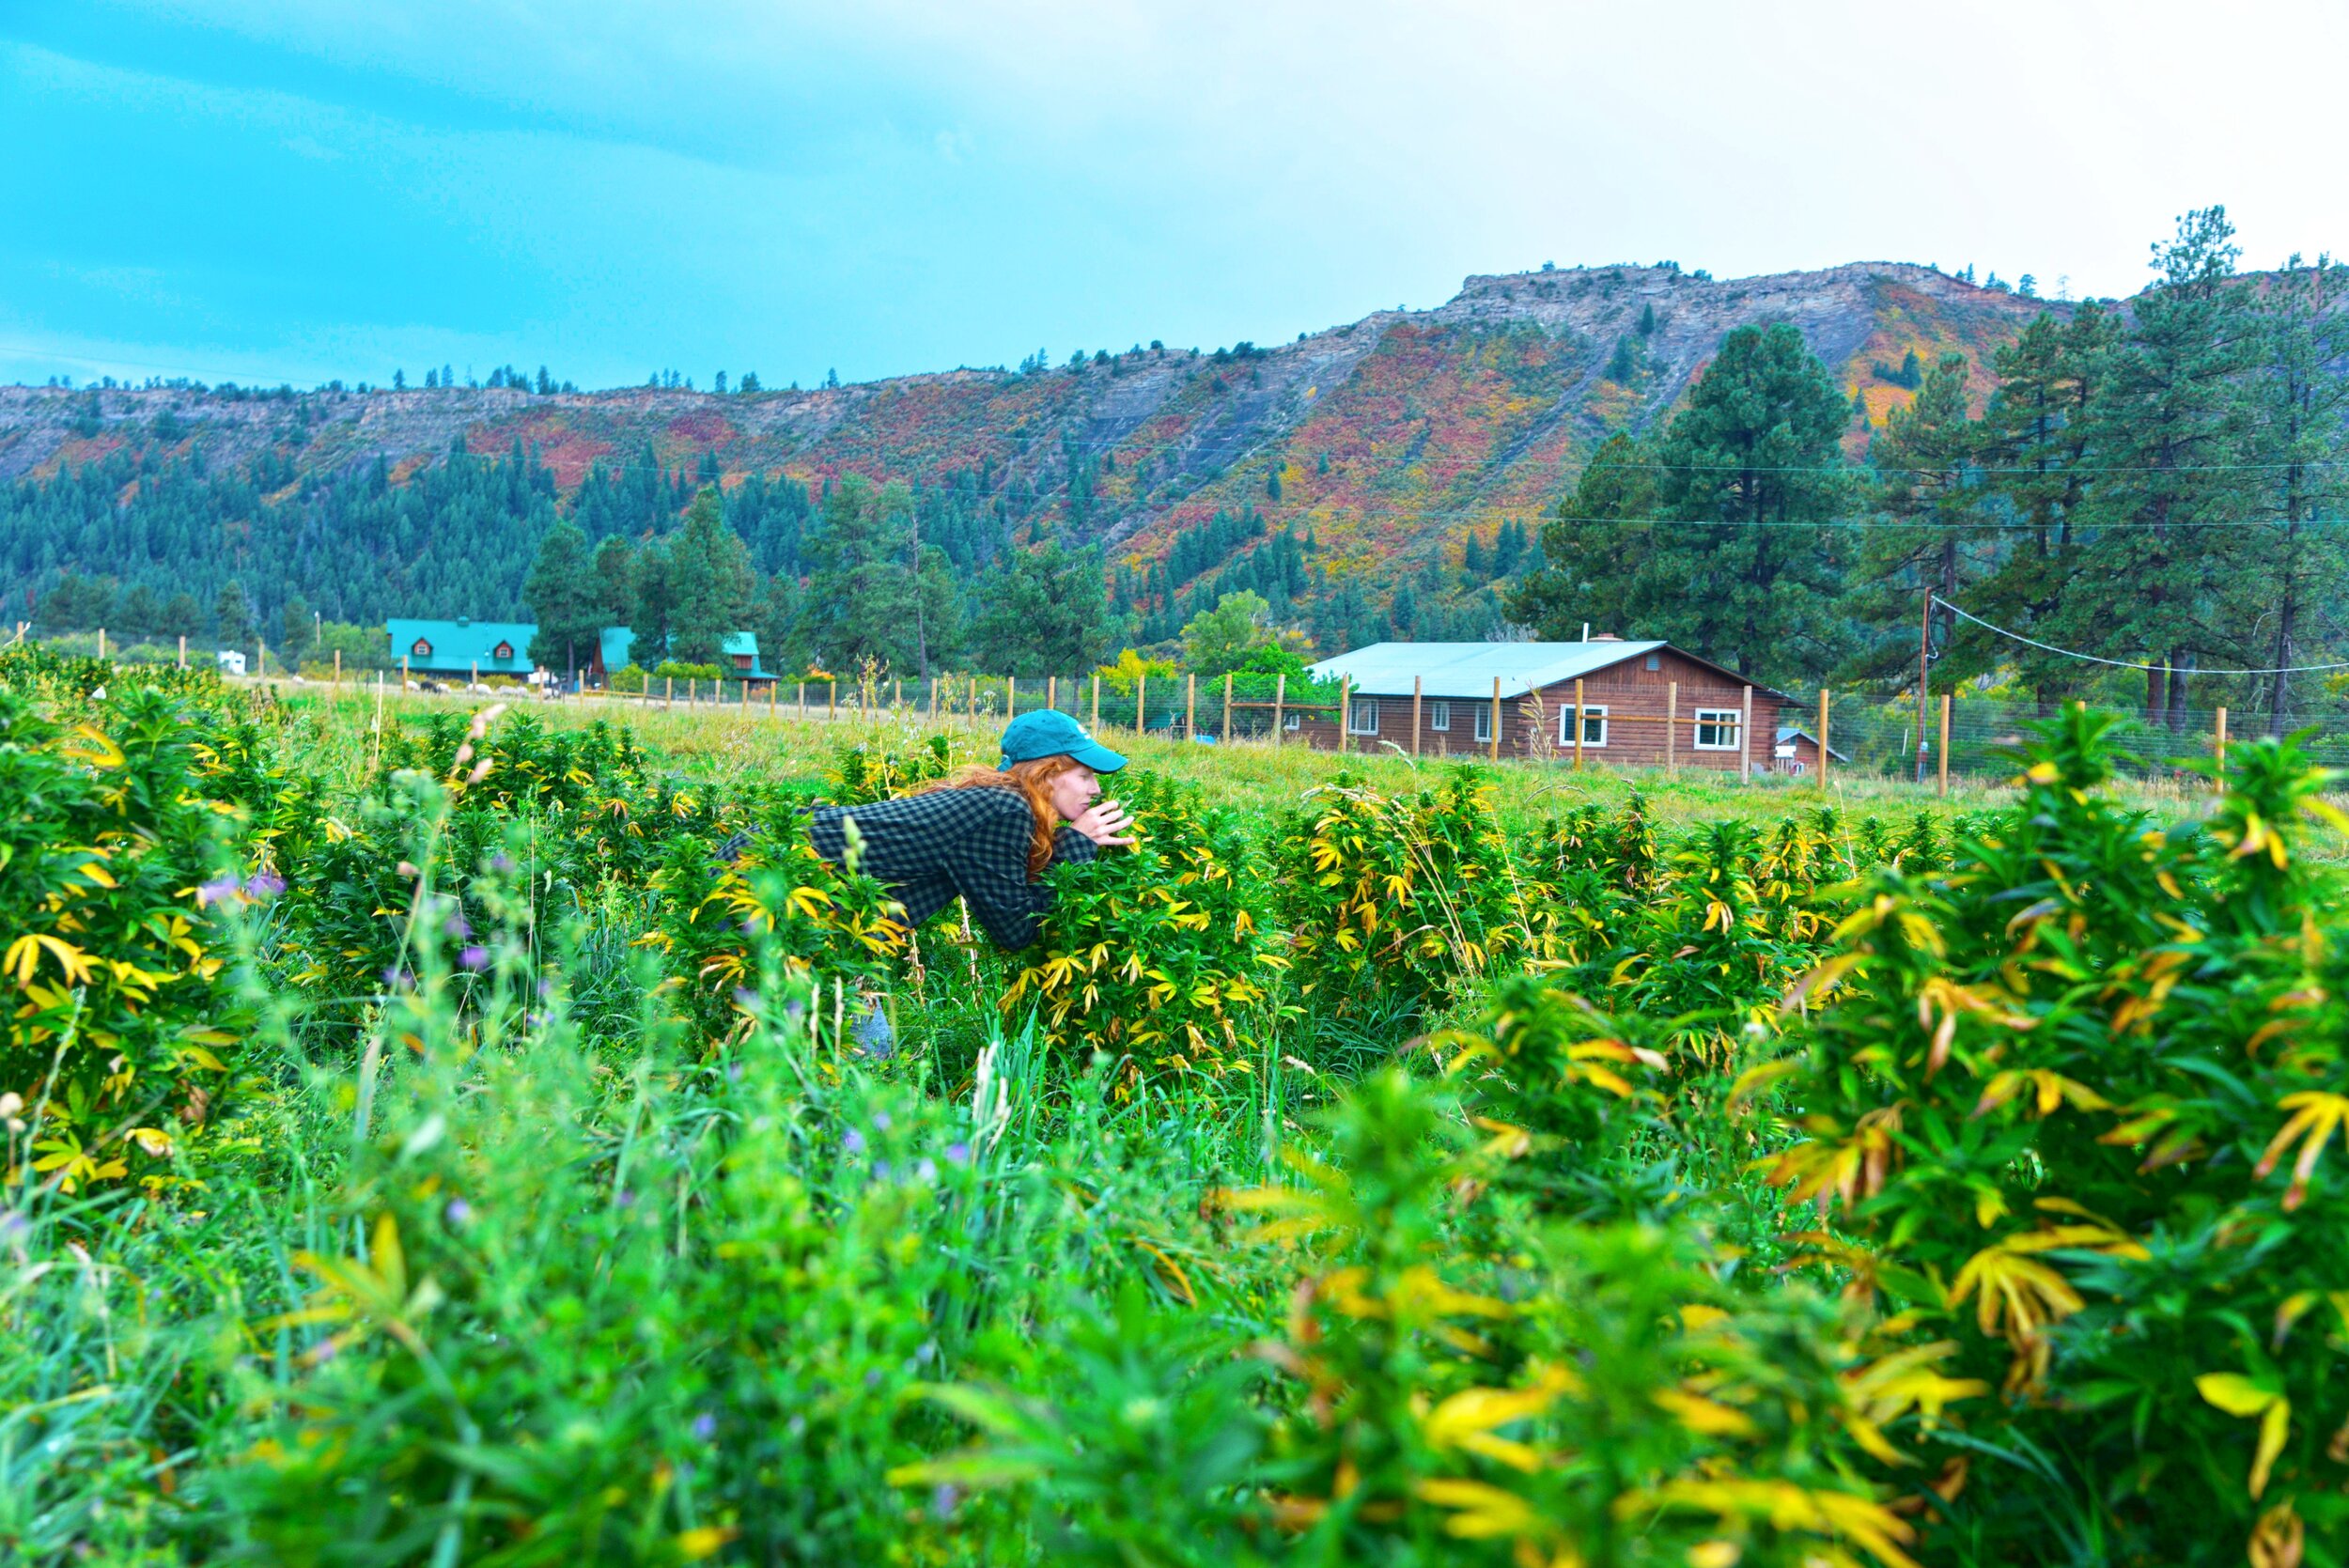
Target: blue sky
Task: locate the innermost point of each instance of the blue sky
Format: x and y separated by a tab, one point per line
267	190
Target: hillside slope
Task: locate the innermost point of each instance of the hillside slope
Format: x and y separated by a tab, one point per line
1391	437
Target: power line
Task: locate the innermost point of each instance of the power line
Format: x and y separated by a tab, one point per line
2122	664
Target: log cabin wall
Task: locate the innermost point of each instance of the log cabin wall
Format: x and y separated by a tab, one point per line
1634	697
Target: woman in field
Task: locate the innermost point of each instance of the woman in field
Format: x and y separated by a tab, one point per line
987	833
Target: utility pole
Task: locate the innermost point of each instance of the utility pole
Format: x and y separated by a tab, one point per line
1924	649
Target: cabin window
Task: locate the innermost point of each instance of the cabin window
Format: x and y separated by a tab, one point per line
1440	714
1484	724
504	650
1293	721
1362	716
1653	662
422	650
1797	768
1593	724
1717	729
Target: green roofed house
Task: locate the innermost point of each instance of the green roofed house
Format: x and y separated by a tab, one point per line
461	646
737	656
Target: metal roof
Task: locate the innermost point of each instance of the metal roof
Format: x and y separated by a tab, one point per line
1791	732
1468	669
618	641
462	644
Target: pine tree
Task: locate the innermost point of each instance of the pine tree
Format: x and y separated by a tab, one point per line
649	620
1927	488
181	617
1591	548
1041	613
2295	569
232	616
2169	424
710	582
562	592
614	571
298	631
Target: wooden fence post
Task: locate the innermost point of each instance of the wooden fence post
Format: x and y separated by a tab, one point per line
774	696
1011	698
477	673
668	693
403	671
1417	682
101	642
1945	743
2220	782
832	697
1190	706
1745	738
1823	752
1225	737
183	650
1346	712
1142	715
1280	702
1672	729
1096	725
1052	691
1496	735
1578	726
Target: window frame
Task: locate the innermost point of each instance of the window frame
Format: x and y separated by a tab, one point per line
1292	719
1728	719
1484	724
420	649
1440	713
1590	712
1356	708
503	651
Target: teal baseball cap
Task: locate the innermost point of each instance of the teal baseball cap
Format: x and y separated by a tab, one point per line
1051	734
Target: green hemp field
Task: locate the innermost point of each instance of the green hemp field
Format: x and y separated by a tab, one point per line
423	1147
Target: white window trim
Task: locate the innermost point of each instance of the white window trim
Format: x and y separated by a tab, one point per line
1356	710
1484	724
1590	712
1440	713
1724	719
1292	720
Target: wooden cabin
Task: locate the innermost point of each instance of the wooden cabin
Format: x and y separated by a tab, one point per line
1644	704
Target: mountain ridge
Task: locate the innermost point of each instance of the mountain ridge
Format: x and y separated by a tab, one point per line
1389	438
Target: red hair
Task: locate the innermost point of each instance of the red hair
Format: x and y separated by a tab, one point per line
1030	781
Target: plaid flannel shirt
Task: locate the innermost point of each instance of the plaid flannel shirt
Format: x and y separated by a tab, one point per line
973	842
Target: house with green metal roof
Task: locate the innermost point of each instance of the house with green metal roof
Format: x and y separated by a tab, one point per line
1640	702
462	646
737	656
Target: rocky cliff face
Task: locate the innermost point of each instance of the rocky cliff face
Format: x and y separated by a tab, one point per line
1391	435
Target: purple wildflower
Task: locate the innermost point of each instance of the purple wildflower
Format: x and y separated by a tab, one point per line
326	1350
624	1198
457	927
218	891
474	957
733	1071
458	1212
501	863
264	883
958	1153
945	1499
14	1226
853	1142
745	997
397	979
873	1378
705	1426
927	1169
880	1169
546	990
880	1120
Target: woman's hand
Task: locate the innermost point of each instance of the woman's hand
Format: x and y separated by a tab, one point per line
1106	824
